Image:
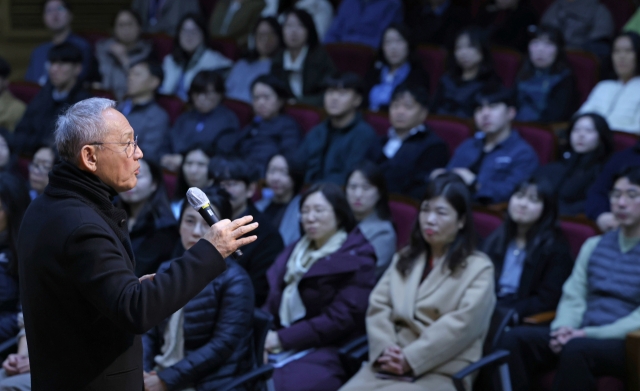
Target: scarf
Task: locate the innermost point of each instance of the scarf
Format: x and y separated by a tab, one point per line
68	181
173	347
302	258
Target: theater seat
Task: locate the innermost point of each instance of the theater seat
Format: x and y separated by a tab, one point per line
100	93
433	61
507	64
173	105
162	44
624	140
227	46
621	11
577	230
586	70
306	116
485	221
541	138
403	215
170	180
351	57
379	121
243	110
452	130
93	37
24	90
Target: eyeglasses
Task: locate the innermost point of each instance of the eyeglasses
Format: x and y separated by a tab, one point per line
127	149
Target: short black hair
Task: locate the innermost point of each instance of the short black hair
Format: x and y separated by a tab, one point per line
229	168
277	85
65	52
632	173
347	80
64	3
155	69
5	68
335	196
129	11
495	93
204	79
418	92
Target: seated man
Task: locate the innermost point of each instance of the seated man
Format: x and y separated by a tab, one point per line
42	163
600	304
333	148
62	90
162	16
411	148
238	179
57	18
363	22
11	108
497	159
150	121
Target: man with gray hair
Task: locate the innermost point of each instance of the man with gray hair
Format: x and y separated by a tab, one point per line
84	308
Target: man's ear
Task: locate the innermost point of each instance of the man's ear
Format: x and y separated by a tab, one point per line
88	160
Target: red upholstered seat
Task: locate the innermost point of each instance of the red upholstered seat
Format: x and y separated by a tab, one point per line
162	44
403	215
93	37
586	70
485	221
227	46
243	110
306	116
379	121
433	61
624	140
23	167
170	181
605	383
541	139
24	90
621	11
507	64
100	93
351	57
577	231
173	105
450	129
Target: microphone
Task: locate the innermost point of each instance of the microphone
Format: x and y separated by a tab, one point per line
200	202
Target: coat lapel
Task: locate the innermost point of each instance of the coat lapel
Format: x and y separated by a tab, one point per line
435	278
405	290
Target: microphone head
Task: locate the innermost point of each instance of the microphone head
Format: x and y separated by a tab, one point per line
196	197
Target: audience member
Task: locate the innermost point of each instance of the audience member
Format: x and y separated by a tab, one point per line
271	131
57	17
367	195
303	64
145	115
436	22
189	56
268	41
8	157
11	108
320	10
411	150
469	69
282	209
509	22
497	159
429	314
363	22
15	374
235	19
318	290
203	125
163	16
618	100
599	305
333	148
116	55
586	24
152	226
39	168
194	172
62	90
208	342
545	84
529	252
396	64
237	178
590	145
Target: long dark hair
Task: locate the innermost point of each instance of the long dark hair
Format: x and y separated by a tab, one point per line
253	55
560	64
375	177
180	56
181	183
405	33
635	42
451	188
307	21
605	146
15	199
334	195
479	39
294	168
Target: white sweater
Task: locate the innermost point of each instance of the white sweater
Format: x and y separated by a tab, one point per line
618	103
210	60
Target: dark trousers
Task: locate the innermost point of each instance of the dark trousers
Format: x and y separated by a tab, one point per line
577	366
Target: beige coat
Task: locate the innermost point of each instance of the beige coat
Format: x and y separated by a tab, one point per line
11	110
440	324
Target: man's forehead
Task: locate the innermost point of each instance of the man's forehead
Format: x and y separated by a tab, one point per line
117	124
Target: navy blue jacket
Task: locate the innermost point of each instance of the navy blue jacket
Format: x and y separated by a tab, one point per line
457	97
194	128
218	335
502	169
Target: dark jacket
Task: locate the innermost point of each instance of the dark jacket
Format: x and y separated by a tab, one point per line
83	306
335	292
218	338
417	76
419	154
559	101
193	128
316	68
548	263
437	29
151	124
38	123
457	97
328	154
9	298
510	27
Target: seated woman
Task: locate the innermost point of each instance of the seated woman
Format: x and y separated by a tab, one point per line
320	10
268	38
618	99
367	195
590	145
282	209
303	64
545	85
508	22
115	55
8	157
430	312
532	259
194	172
318	290
43	161
469	69
203	125
152	228
189	56
396	64
208	342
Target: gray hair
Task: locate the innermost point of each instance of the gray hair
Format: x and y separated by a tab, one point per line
80	125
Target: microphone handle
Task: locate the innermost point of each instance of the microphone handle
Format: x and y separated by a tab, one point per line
210	217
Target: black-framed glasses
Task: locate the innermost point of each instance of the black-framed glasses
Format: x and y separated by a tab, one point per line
128	150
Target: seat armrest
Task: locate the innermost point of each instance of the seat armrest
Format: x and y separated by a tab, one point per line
496	358
540	318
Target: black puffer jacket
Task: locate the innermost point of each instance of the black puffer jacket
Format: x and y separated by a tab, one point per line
217	334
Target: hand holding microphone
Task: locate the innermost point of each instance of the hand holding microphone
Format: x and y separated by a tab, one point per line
225	235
